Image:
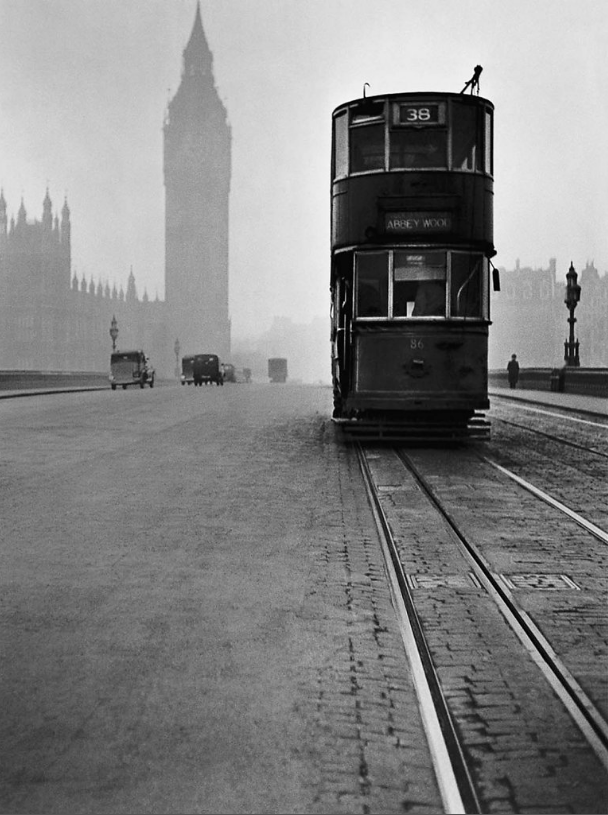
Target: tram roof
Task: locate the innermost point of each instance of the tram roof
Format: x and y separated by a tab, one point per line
467	98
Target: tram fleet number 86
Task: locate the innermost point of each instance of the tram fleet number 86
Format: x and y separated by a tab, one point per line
411	242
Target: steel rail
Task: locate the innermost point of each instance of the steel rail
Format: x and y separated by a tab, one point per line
514	402
559	439
582	710
548	499
454	780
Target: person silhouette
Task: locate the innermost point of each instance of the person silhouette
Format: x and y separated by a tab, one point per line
513	371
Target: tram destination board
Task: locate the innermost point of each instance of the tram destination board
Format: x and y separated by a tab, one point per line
416	222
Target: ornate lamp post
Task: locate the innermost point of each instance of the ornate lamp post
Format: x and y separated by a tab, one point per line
114	332
573	295
176	349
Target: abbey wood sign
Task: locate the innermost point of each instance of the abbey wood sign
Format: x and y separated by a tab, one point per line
404	222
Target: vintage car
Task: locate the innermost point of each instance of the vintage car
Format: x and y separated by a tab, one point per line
130	368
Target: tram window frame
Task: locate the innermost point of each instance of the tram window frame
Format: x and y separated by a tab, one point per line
340	156
378	296
367	147
467	138
488	142
431	266
354	126
472	263
417	125
419	283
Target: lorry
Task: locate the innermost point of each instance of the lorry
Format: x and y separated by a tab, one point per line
277	369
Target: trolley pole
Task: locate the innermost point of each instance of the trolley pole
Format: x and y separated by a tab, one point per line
573	295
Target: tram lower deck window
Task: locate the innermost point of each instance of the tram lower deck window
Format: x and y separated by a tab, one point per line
467	274
397	284
419	284
372	284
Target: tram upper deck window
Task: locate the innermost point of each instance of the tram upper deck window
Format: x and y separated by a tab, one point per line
418	136
419	284
367	148
467	275
367	137
467	138
489	153
372	284
340	156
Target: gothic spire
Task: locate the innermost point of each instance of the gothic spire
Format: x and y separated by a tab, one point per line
131	289
198	60
47	215
66	227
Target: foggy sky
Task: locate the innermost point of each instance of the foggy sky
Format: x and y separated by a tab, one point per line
84	86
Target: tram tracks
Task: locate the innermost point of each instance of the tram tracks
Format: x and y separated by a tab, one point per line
592	424
393	480
590	527
552	437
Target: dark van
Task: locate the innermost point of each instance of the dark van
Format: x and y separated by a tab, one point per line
206	369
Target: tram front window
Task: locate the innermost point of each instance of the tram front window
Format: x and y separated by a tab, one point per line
419	284
367	148
413	149
466	138
372	284
466	285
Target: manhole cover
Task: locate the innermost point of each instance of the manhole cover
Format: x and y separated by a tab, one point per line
545	582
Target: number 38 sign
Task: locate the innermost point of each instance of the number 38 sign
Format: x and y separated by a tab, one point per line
419	115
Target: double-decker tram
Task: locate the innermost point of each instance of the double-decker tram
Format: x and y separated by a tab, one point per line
411	242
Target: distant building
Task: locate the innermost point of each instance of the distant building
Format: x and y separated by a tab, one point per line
52	319
529	317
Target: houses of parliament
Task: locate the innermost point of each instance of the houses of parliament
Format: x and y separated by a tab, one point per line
50	320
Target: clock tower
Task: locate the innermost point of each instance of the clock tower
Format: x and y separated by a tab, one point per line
197	167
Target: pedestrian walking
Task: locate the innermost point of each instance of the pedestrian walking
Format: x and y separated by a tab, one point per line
513	371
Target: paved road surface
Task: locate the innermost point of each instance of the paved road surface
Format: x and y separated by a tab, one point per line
195	615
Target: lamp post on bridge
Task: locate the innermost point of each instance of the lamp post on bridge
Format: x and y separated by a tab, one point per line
573	295
114	332
176	349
